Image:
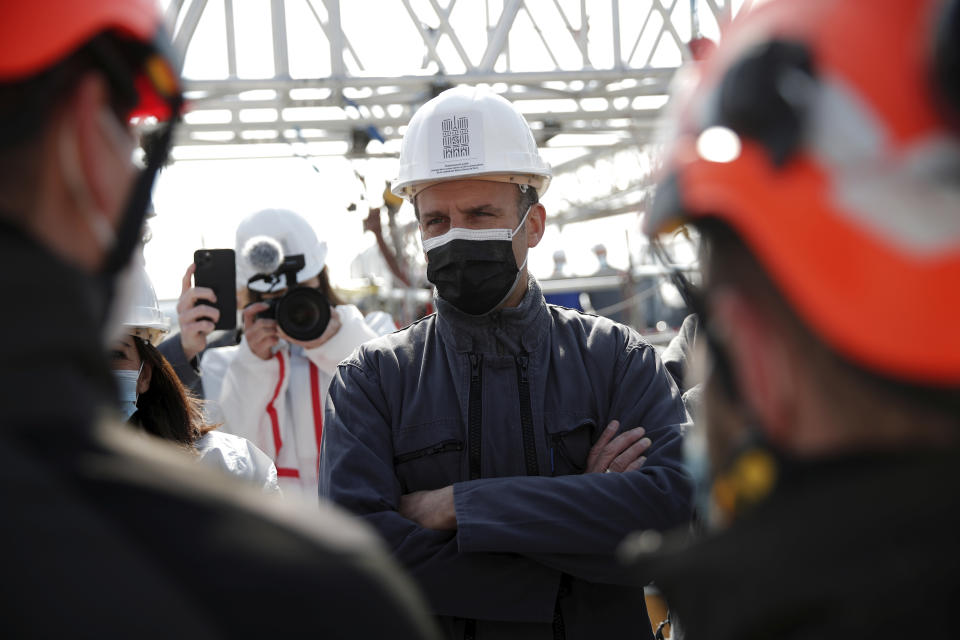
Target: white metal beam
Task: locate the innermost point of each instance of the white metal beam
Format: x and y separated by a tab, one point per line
184	34
444	16
612	94
497	40
278	20
231	38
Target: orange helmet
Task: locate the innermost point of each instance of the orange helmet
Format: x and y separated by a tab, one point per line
39	33
825	133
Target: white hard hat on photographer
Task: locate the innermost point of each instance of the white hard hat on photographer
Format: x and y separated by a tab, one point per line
294	235
143	317
469	133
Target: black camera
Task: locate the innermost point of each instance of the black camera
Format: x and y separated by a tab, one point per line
302	312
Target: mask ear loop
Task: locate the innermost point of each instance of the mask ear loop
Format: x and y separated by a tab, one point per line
523	221
69	166
526	255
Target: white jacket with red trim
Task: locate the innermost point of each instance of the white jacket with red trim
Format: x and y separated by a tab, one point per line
278	403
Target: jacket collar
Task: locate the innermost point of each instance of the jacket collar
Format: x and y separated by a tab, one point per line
509	330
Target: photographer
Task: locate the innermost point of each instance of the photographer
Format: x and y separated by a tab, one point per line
271	387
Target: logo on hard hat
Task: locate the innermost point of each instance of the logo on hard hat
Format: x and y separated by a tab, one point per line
457	147
456	137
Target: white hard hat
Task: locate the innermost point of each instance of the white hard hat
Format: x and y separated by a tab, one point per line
144	318
469	133
291	231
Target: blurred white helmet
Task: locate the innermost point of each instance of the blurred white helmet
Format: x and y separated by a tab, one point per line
143	317
469	133
295	237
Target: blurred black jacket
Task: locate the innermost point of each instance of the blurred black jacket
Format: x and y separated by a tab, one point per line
110	533
852	547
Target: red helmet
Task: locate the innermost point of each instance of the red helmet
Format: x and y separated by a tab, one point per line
825	133
39	33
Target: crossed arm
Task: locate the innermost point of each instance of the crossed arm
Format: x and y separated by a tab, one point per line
489	531
436	509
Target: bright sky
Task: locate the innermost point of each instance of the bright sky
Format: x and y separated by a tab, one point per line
200	202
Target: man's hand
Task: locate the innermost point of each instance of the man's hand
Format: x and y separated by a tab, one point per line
430	509
623	453
332	327
262	334
196	322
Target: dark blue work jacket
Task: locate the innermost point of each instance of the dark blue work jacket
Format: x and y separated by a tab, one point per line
506	408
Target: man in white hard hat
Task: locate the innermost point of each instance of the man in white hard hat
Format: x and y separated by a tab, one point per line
482	441
107	534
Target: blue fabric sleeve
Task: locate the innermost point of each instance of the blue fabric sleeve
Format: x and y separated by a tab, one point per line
172	350
356	472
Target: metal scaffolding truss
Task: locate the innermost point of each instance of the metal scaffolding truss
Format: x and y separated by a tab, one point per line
591	76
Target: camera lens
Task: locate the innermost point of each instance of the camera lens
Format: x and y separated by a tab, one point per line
303	313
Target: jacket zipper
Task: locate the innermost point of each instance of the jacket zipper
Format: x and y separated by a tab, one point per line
475	444
533	469
441	447
475	425
526	416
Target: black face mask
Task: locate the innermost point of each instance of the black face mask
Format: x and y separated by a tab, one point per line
474	269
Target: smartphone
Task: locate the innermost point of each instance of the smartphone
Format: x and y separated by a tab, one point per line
216	269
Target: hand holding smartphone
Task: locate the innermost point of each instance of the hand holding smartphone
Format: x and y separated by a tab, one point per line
216	269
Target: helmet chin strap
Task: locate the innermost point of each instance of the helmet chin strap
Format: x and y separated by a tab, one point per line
130	230
749	471
129	233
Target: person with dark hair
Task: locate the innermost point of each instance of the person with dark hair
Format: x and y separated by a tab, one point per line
504	446
819	160
155	402
107	533
153	398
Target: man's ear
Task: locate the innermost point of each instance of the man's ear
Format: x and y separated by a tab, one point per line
146	375
103	145
536	224
761	362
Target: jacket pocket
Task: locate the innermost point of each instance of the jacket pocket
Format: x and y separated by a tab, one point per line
428	456
569	438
